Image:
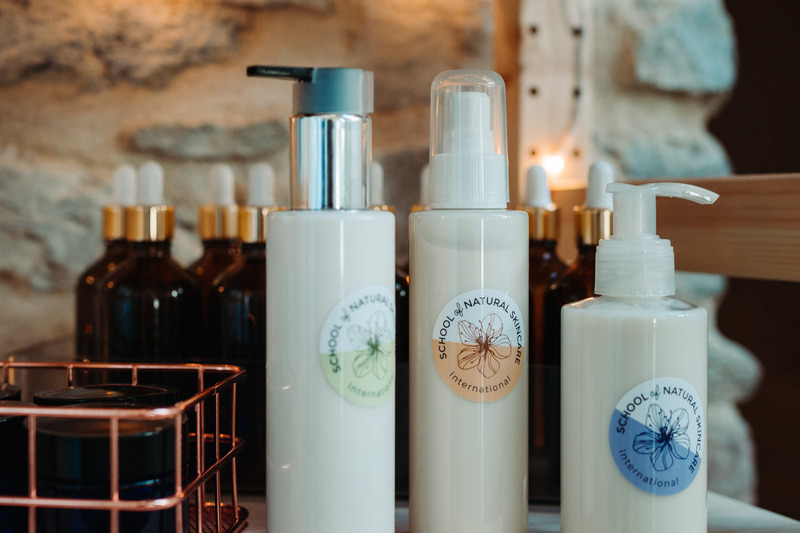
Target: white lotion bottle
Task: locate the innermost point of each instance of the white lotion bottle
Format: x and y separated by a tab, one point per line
330	320
634	384
468	322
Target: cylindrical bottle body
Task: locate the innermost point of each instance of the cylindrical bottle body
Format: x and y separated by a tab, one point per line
330	372
634	390
468	371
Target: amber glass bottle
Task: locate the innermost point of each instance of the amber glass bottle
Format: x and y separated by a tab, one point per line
88	331
544	268
153	306
218	228
238	327
592	222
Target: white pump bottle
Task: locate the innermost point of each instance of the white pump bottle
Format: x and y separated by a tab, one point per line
468	322
634	384
330	320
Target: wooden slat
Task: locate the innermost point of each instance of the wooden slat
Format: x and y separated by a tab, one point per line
752	231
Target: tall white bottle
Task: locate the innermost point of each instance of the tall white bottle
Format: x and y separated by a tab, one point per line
634	384
330	320
468	322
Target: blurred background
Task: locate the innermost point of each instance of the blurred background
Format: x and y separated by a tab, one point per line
659	88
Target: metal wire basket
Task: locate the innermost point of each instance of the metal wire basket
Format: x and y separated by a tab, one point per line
198	501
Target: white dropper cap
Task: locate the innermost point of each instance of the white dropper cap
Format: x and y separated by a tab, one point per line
469	164
222	184
635	262
537	193
376	184
600	175
151	184
261	185
125	184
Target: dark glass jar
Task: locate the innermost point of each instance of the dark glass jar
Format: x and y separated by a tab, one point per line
14	473
401	388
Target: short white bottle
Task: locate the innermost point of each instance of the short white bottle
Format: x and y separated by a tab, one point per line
330	321
468	322
634	384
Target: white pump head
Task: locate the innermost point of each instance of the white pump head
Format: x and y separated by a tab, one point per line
469	164
376	184
261	185
151	184
635	262
125	185
537	193
222	184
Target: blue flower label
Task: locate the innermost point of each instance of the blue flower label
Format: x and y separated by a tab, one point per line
657	435
357	346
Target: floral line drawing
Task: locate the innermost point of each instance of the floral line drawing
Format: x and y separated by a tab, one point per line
485	345
665	439
373	357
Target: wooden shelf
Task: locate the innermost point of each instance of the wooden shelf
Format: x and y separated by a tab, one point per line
752	231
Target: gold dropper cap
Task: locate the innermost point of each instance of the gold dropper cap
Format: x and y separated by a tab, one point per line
592	225
114	222
542	222
218	222
253	222
150	223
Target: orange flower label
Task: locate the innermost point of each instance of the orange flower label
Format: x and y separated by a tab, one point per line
479	345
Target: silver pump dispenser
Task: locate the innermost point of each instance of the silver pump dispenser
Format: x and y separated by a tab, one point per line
331	135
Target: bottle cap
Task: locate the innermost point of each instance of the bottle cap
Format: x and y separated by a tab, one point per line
219	218
634	262
542	212
124	195
151	220
469	163
261	201
330	135
593	219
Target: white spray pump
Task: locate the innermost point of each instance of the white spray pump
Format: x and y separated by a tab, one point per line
635	262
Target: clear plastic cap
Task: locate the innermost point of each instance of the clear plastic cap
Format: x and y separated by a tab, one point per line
469	163
125	184
635	262
222	184
261	185
151	183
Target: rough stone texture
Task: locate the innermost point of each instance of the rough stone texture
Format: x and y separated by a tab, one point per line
691	49
211	142
141	41
731	467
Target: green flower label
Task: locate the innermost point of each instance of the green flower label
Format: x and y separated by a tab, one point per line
357	346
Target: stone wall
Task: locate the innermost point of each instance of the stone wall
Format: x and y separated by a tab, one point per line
88	84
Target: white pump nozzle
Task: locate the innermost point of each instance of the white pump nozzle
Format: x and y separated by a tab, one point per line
635	262
537	193
222	184
151	184
125	185
600	175
376	184
261	185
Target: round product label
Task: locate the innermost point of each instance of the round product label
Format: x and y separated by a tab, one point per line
357	346
479	345
657	435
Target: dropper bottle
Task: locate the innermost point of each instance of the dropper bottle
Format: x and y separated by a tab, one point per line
544	268
592	223
330	319
88	303
468	320
153	306
218	226
238	324
634	384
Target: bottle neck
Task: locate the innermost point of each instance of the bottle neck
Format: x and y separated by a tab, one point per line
254	250
219	245
152	248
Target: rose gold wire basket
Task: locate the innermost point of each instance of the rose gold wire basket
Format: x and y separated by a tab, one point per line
200	490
